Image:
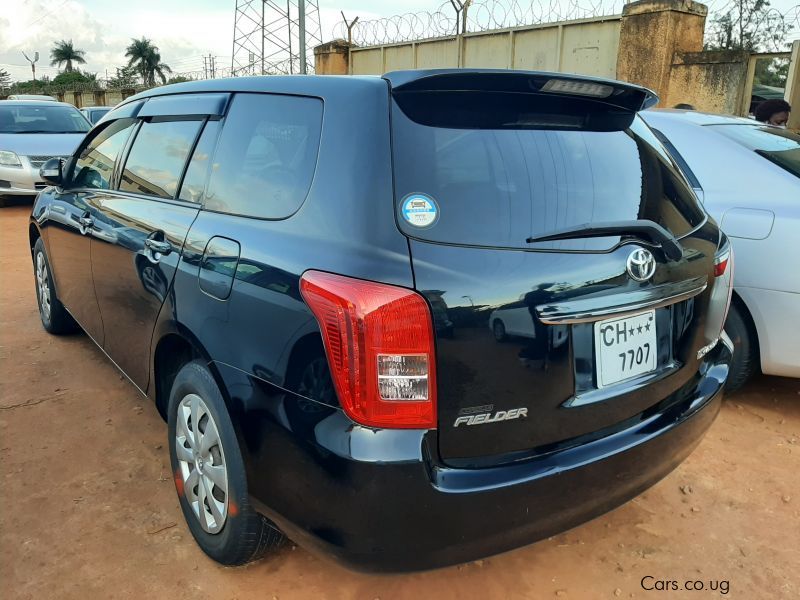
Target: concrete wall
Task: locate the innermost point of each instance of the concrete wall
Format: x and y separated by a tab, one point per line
586	46
710	81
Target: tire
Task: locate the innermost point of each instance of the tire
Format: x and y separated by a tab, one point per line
745	349
55	318
499	330
235	534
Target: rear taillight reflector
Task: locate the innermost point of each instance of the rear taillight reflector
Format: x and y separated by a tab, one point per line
721	264
379	342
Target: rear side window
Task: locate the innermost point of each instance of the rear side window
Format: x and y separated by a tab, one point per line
266	156
195	179
156	160
496	171
779	146
95	163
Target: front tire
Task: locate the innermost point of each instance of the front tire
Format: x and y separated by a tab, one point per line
499	330
745	352
55	318
209	472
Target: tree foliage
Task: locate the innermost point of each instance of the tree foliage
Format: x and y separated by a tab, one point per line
125	78
146	59
64	53
68	78
750	25
5	78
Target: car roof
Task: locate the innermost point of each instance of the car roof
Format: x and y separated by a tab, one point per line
35	103
698	117
312	85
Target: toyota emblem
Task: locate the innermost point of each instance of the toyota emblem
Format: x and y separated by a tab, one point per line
641	264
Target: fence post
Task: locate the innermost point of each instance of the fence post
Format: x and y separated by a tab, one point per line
792	93
652	32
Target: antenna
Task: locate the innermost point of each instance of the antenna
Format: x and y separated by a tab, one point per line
267	36
33	62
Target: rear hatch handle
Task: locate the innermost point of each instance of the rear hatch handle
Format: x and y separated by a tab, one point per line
642	229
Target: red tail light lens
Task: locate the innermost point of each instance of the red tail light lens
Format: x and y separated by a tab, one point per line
721	264
379	343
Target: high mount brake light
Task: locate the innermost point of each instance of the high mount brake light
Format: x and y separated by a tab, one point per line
578	88
379	342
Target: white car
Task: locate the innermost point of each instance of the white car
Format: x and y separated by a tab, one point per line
748	176
31	133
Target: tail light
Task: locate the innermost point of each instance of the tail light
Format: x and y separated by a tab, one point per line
379	342
721	291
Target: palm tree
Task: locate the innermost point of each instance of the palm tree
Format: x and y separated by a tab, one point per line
144	56
65	52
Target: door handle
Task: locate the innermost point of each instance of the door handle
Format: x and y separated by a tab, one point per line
159	246
86	222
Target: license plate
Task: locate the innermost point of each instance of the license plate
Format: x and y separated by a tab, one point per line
625	347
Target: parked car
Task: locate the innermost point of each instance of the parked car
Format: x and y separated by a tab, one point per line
31	97
270	278
32	133
748	175
94	113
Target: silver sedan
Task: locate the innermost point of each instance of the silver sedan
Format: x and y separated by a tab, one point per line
748	176
31	132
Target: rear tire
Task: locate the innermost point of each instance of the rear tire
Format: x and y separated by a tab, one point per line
55	318
209	473
745	352
499	330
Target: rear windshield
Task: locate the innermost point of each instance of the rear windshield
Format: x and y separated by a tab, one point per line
33	118
779	146
496	181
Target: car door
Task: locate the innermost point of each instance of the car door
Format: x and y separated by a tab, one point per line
73	222
148	221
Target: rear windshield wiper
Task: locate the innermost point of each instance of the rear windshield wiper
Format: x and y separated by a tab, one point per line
642	229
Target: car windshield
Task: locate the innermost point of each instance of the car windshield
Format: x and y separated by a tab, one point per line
779	146
33	118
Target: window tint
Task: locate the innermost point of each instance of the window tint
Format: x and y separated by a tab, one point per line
195	179
95	163
266	156
157	157
493	183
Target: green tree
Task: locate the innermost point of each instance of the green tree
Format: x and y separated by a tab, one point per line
75	77
125	79
773	72
179	79
65	53
5	78
145	57
750	25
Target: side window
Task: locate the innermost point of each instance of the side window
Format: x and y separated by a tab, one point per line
157	157
195	179
95	163
266	155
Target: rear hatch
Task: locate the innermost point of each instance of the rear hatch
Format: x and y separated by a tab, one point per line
524	203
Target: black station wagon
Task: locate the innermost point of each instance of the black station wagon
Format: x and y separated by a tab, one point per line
408	320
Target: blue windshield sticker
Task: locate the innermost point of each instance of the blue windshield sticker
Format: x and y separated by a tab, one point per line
420	210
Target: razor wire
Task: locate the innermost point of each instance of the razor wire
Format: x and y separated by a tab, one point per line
465	16
459	16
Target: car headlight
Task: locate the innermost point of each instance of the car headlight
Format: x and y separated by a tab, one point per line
9	159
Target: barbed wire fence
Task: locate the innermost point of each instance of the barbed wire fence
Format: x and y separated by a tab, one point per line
468	16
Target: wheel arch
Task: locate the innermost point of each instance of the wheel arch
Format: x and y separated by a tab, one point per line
747	315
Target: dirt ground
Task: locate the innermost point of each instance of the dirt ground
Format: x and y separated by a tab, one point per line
88	510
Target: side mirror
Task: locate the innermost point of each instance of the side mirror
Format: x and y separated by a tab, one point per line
51	171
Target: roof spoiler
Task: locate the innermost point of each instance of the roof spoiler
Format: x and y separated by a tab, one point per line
618	94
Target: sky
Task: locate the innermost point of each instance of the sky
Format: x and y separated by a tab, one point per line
184	30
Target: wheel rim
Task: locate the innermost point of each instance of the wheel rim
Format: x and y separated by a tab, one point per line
202	463
43	285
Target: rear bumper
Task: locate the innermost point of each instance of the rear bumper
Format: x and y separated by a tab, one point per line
380	500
